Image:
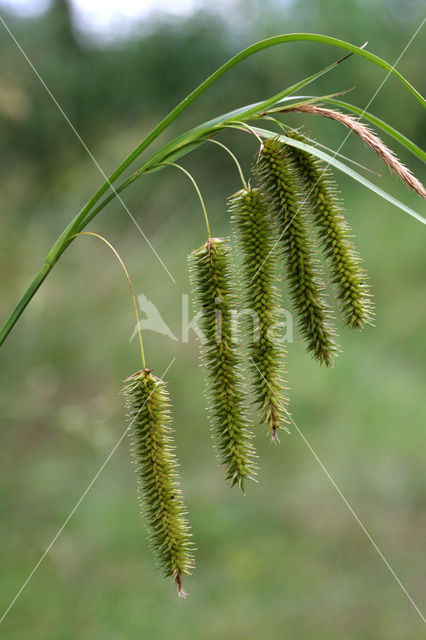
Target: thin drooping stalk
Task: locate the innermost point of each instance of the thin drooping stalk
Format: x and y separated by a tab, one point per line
237	164
200	197
135	306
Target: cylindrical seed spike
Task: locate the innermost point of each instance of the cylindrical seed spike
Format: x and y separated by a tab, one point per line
211	276
157	470
345	263
256	237
279	181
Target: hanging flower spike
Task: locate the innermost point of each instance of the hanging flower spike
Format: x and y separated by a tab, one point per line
343	259
157	470
256	238
278	179
211	276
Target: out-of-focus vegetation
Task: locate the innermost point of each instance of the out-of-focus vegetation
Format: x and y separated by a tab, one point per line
288	560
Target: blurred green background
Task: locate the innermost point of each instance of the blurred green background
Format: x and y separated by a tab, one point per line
288	560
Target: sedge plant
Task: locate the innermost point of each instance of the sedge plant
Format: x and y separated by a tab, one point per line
283	216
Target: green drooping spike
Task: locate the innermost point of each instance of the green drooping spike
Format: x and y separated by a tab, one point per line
211	276
256	237
278	180
344	261
158	474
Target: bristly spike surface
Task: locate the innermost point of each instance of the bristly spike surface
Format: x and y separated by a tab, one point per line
211	276
278	179
344	261
158	473
256	237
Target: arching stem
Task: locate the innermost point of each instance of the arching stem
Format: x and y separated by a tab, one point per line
206	218
117	255
240	171
247	127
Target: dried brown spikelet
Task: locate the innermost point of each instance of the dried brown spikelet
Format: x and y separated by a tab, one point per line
370	139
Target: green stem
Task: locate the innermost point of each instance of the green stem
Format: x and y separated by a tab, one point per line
10	322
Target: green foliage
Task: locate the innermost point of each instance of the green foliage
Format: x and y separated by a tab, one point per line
277	177
157	469
345	263
211	275
190	140
256	237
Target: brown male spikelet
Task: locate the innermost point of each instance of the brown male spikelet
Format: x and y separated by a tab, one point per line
211	276
370	139
256	237
157	469
345	264
278	179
